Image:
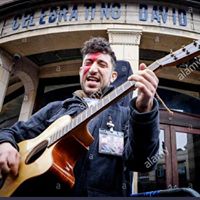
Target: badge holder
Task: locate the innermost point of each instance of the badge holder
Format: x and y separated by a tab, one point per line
111	142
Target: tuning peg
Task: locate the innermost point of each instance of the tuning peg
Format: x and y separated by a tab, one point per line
171	52
195	43
183	48
187	52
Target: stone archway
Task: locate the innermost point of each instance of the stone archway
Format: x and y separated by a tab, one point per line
27	71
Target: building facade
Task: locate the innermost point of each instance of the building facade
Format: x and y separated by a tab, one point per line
40	57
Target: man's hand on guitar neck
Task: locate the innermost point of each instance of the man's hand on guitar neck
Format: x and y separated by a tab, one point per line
146	83
9	159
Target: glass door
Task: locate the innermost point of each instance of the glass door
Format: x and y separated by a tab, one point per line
179	160
161	177
186	157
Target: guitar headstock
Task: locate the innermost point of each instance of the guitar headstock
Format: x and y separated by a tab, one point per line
182	55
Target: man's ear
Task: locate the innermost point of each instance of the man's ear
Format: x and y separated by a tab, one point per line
113	76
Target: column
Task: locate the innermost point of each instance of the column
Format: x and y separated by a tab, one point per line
6	64
27	105
125	43
4	79
27	71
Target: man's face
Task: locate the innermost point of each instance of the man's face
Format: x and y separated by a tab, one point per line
96	72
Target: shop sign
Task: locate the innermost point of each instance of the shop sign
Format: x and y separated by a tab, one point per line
158	14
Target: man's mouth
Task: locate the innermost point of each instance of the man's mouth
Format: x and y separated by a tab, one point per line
93	79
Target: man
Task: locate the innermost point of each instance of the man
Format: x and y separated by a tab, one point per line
124	137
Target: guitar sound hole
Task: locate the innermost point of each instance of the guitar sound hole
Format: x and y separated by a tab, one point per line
36	152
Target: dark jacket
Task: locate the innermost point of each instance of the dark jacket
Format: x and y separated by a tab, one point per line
98	174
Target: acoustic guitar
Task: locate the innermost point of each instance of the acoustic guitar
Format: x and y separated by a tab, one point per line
59	147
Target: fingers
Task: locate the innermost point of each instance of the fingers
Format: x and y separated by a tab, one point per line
142	66
143	89
9	159
146	82
146	77
144	70
4	168
13	163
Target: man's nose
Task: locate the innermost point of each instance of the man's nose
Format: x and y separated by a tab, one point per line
94	68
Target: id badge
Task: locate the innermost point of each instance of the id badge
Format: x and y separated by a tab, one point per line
111	142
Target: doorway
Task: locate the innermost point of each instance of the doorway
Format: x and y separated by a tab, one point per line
179	154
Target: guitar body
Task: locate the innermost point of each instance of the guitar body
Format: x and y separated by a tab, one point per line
60	158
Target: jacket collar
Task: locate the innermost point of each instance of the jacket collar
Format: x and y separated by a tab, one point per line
98	95
78	97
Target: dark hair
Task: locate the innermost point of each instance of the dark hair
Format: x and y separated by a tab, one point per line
98	44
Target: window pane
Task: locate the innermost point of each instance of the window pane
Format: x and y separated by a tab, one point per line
155	179
188	158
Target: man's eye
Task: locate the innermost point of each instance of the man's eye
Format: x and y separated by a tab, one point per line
88	63
102	64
